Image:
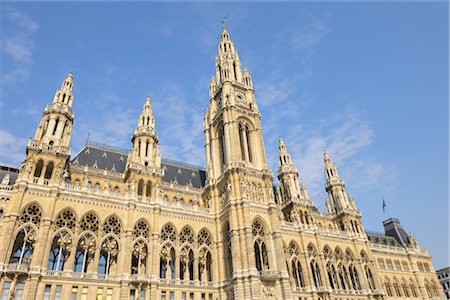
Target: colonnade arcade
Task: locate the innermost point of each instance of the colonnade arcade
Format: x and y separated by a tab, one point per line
93	246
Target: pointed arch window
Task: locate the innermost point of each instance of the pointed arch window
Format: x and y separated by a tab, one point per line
108	256
316	273
49	170
55	127
186	264
84	253
140	187
370	279
39	167
228	253
249	145
167	262
23	246
297	273
261	256
148	189
60	251
139	257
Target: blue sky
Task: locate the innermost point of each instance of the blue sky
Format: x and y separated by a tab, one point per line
366	81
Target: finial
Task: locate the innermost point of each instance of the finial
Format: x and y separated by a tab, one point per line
224	26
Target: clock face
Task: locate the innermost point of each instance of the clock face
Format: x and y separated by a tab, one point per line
240	97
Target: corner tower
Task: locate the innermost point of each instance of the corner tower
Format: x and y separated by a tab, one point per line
340	204
48	152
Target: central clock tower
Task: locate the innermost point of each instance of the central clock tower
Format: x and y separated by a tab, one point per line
239	184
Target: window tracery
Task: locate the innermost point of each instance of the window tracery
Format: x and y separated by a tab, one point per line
187	235
31	214
112	225
204	238
141	229
66	219
168	233
89	222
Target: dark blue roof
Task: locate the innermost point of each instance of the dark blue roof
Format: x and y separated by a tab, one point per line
115	159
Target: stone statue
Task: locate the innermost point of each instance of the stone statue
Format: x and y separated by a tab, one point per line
6	179
243	188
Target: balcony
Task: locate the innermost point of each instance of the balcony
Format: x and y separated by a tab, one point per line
268	275
16	268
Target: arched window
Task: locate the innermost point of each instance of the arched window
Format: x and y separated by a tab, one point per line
186	264
249	145
148	190
222	147
226	233
108	256
140	187
168	233
204	264
76	185
387	286
39	167
354	278
49	171
261	256
412	287
405	289
167	262
241	140
60	251
97	188
316	273
23	246
55	127
297	273
343	277
398	293
332	276
85	253
370	279
139	258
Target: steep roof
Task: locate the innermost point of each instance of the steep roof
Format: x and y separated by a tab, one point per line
115	159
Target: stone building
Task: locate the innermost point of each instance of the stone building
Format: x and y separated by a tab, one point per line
108	224
444	279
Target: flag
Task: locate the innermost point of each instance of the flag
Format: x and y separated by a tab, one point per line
384	206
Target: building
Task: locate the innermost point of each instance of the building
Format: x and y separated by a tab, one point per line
112	224
444	279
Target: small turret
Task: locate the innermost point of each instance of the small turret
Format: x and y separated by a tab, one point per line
145	149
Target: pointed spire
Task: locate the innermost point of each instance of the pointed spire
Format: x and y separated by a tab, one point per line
284	156
330	168
146	117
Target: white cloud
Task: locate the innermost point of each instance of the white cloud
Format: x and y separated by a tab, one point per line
11	148
18	44
345	137
311	33
182	134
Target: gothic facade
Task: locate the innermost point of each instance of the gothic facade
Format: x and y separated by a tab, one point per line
112	224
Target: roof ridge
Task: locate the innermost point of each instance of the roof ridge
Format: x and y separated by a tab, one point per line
107	147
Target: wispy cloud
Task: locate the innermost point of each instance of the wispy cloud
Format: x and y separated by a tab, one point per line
12	148
182	134
17	43
311	33
345	137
